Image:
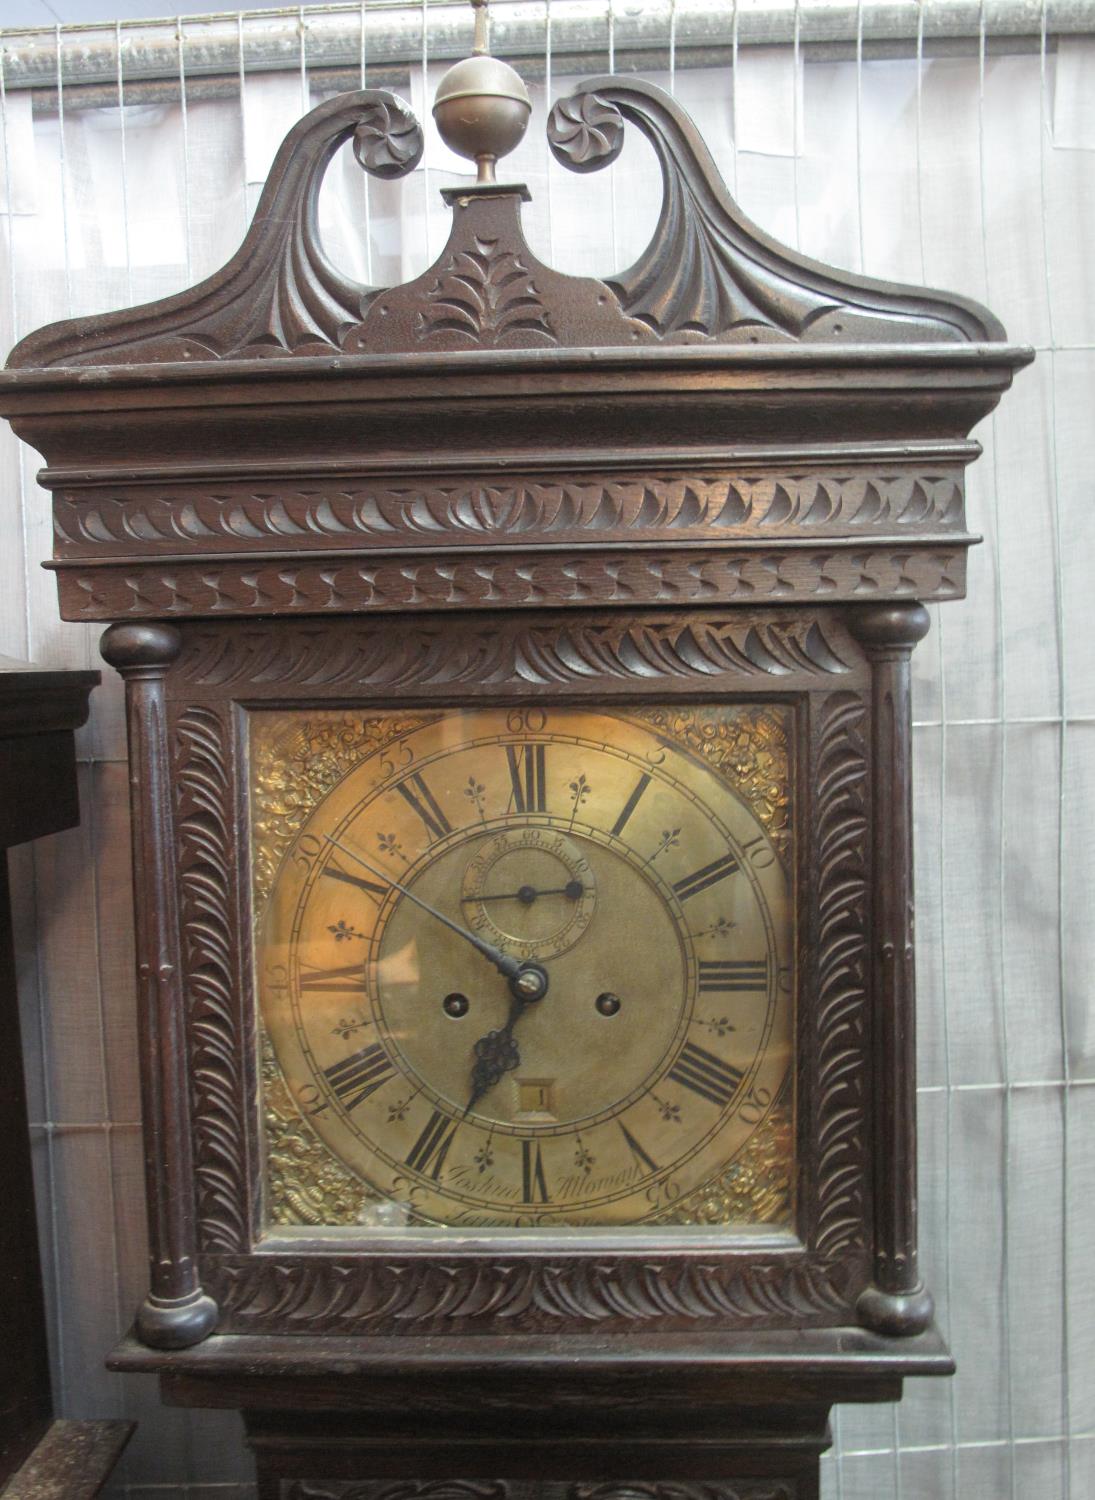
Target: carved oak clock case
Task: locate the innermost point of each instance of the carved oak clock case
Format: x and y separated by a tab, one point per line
518	691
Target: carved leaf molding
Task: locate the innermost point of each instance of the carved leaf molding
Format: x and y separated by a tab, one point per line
841	1014
149	588
516	654
364	1294
522	506
709	273
279	294
207	880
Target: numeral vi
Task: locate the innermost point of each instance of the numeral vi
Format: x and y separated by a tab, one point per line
533	1182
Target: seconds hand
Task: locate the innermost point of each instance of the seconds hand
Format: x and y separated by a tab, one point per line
527	981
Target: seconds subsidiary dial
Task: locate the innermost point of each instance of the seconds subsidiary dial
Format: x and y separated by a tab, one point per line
525	967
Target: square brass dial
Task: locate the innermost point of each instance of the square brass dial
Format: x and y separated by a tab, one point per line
524	967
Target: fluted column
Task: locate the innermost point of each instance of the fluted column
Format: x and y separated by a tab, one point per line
176	1312
897	1302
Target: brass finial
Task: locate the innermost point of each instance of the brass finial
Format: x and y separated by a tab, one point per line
482	107
481	45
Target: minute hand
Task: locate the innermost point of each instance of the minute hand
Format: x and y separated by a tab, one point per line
509	967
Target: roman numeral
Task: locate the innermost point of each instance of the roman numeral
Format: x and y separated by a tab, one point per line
431	1148
642	1157
710	875
526	771
359	1075
425	805
630	805
735	975
706	1075
371	888
533	1181
333	981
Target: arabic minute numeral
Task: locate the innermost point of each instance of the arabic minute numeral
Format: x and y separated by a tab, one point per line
760	852
396	760
756	1105
526	721
311	1101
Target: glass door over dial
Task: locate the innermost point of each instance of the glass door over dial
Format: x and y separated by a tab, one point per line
525	967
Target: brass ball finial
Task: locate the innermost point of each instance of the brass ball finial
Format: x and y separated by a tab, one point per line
482	106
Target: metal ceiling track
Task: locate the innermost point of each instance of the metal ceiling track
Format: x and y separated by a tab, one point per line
387	37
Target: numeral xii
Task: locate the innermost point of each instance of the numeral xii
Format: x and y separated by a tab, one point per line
527	772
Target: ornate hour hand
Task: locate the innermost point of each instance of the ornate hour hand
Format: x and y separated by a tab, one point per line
527	981
496	1054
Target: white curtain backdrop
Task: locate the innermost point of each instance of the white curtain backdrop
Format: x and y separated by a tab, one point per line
974	172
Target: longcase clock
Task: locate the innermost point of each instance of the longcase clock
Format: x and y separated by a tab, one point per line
517	672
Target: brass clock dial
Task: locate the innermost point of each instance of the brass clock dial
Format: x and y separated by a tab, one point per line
534	967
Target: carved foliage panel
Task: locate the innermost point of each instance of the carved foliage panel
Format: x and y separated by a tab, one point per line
275	1291
265	585
839	1018
146	519
218	1023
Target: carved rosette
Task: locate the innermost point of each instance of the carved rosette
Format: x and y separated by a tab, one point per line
387	138
585	132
